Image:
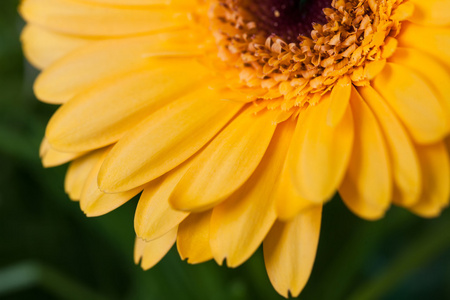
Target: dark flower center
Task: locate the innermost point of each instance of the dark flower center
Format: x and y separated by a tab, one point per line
289	18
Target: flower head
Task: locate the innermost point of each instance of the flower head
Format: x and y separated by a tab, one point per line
239	119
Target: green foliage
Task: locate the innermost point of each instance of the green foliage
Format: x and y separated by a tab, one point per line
50	250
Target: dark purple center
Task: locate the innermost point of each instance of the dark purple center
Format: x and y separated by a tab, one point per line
289	18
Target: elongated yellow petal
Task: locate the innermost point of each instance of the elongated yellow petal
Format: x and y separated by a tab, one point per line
43	47
239	225
435	42
52	158
431	12
404	162
367	186
103	60
288	202
193	238
413	101
290	249
94	202
165	139
225	164
319	153
124	102
149	253
435	163
78	171
88	19
435	74
154	216
339	98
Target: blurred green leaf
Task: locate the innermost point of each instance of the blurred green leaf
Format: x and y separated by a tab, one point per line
431	242
27	275
359	248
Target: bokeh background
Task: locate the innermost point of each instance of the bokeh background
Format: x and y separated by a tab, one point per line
50	250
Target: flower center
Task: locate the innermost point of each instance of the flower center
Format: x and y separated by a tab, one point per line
287	54
288	18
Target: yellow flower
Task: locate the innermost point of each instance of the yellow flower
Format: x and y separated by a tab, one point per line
238	119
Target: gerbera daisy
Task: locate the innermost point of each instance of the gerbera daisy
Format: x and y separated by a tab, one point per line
239	119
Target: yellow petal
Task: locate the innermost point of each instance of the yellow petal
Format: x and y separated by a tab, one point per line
389	48
87	19
43	47
367	186
288	202
404	162
94	202
52	158
413	101
123	102
78	171
225	164
431	12
372	69
193	238
151	252
290	250
403	12
154	216
320	153
435	163
100	61
339	98
165	139
435	42
239	224
435	74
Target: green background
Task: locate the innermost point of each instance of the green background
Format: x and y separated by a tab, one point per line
50	250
